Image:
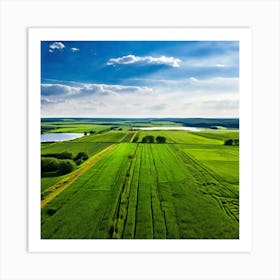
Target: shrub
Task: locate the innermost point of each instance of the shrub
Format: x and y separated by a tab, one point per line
228	142
232	142
63	155
81	155
161	139
148	139
49	164
66	166
79	161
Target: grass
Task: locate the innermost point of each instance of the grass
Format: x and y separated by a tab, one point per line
108	137
222	160
182	137
72	147
187	188
69	146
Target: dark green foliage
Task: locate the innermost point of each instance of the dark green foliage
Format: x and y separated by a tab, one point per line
66	166
81	155
232	142
79	161
135	139
85	133
63	155
49	164
228	142
91	132
161	139
62	166
80	158
148	139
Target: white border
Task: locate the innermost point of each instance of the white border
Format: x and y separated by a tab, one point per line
262	262
243	35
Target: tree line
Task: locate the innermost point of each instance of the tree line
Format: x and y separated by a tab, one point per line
151	139
61	163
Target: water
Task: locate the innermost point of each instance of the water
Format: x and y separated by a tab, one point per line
56	137
169	128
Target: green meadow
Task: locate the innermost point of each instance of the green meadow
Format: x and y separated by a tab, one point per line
183	185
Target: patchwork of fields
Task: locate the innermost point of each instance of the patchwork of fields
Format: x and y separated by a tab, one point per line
186	188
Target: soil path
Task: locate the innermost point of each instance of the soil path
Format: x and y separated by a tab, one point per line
133	136
60	186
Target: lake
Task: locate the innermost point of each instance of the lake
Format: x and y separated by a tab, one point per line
56	137
169	128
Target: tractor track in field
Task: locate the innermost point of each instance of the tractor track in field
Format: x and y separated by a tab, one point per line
157	192
202	172
61	185
151	195
137	196
107	215
123	199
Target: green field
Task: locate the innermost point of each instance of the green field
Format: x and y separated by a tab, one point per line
69	146
186	188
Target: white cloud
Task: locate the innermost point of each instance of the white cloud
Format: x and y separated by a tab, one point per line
90	89
75	49
131	59
58	89
56	46
220	65
214	85
192	97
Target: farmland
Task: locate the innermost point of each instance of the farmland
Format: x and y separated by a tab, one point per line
184	188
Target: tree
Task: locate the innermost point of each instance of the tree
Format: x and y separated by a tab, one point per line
49	164
161	139
81	155
63	155
232	142
236	142
228	142
66	166
85	133
148	139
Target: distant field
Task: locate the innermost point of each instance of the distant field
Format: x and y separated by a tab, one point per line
72	127
183	137
187	188
72	147
111	137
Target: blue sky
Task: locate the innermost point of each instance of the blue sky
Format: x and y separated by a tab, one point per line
139	78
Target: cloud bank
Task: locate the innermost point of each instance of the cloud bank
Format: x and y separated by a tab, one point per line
216	97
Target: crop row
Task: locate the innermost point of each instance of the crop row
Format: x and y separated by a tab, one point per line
144	191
